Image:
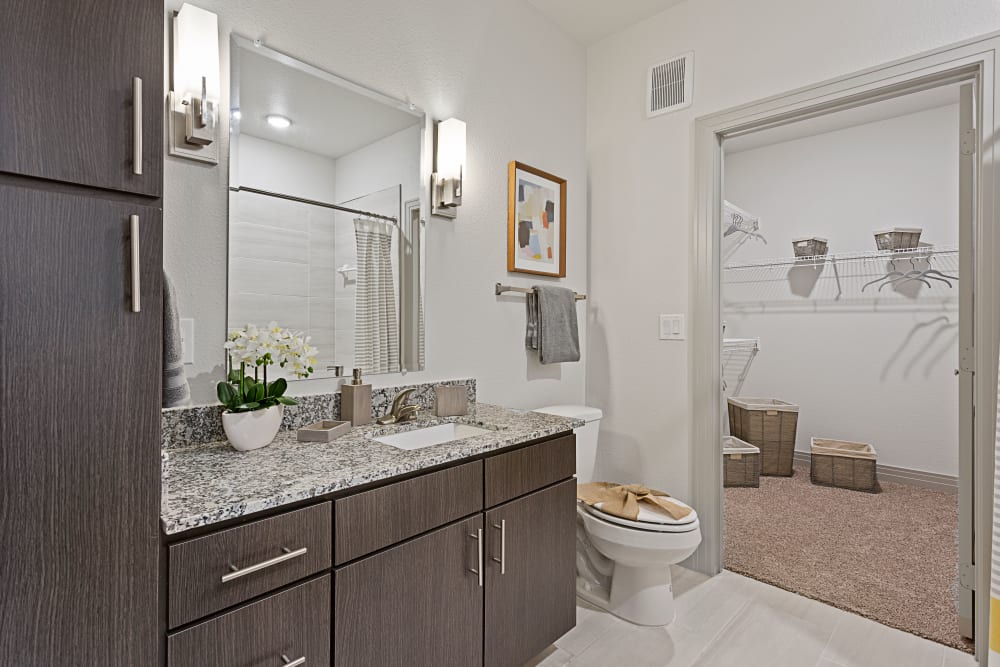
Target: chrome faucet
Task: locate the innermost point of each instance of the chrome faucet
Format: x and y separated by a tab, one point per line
401	411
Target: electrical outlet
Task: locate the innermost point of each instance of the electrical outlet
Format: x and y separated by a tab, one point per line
187	341
672	327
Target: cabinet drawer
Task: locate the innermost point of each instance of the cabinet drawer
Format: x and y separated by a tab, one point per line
381	517
524	470
283	628
223	569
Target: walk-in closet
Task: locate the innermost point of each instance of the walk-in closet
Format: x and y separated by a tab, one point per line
844	305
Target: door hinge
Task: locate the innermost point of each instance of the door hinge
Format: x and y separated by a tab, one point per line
967	142
967	359
967	576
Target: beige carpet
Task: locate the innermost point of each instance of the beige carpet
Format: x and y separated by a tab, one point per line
891	557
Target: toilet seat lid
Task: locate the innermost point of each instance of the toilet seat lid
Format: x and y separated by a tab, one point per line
650	519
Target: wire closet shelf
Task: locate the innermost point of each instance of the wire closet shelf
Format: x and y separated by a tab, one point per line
925	252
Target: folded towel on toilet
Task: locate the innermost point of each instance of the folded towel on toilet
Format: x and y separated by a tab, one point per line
623	499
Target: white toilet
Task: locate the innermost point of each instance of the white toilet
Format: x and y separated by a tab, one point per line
624	566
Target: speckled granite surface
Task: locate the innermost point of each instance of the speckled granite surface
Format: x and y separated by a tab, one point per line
184	427
212	482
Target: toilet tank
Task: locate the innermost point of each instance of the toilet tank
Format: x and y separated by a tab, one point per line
586	435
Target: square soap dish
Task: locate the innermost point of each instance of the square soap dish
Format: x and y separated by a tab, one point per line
323	431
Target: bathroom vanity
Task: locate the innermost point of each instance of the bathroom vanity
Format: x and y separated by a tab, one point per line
355	552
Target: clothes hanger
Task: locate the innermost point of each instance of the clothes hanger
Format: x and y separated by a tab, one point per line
913	274
892	272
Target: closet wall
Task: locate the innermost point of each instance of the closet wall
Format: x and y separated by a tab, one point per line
871	366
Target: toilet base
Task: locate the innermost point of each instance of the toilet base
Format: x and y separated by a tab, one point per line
640	595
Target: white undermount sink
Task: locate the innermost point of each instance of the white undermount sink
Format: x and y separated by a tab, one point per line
430	436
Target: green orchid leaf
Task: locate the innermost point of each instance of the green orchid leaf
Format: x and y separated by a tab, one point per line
226	393
277	388
284	400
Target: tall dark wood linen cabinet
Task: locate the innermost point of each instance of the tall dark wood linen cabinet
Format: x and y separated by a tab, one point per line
81	176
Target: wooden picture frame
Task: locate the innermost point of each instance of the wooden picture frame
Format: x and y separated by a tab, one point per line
536	221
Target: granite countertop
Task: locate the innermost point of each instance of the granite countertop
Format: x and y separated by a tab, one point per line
213	482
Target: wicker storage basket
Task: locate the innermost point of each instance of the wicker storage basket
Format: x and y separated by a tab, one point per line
898	238
769	424
740	463
809	246
848	465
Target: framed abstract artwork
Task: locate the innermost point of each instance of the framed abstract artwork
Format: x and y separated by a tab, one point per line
536	222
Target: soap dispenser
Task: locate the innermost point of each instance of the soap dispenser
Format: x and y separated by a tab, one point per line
356	401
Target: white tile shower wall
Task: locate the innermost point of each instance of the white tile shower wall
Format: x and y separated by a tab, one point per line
281	264
520	85
640	175
884	357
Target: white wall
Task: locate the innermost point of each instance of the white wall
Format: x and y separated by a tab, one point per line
520	85
641	189
873	366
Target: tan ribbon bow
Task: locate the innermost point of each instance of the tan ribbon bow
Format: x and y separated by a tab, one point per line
623	499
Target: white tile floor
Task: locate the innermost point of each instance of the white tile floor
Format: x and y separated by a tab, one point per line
732	621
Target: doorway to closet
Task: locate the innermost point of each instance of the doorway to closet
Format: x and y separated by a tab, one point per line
846	300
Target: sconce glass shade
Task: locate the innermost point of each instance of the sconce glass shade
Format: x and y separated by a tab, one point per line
451	149
196	53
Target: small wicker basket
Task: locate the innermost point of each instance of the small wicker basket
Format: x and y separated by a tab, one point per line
809	246
769	424
844	464
740	463
898	238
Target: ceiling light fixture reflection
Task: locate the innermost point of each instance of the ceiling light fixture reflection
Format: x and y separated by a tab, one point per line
280	122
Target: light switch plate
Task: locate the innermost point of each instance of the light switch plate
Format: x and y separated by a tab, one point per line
672	327
187	341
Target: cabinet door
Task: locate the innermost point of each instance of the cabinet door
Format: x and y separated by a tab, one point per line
66	94
416	604
79	431
530	574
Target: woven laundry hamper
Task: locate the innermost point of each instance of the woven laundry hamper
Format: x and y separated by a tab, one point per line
769	424
848	465
740	463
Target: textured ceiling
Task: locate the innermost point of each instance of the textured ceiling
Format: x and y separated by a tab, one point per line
590	21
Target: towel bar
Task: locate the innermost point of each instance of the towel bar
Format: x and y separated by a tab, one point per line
500	289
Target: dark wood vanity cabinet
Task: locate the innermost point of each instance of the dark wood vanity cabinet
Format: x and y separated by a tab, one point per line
472	564
81	313
417	604
530	574
79	430
69	108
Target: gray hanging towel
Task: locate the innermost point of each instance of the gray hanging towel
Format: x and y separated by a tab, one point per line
176	391
557	334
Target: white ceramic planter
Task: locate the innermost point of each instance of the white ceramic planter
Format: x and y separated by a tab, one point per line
247	431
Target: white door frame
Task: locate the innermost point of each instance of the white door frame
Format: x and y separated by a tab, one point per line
974	59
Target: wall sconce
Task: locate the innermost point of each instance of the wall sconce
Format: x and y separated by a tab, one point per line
449	167
193	116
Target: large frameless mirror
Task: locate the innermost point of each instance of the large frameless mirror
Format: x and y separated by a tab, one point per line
326	227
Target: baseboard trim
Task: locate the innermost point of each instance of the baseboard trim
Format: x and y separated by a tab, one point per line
886	473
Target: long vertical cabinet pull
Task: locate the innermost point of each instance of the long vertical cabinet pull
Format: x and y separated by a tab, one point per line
478	537
137	126
136	268
502	527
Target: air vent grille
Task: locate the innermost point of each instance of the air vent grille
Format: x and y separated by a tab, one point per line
668	87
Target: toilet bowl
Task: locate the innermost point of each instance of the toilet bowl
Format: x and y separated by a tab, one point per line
623	566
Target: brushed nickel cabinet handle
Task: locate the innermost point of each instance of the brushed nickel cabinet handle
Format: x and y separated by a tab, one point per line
136	268
257	567
478	537
137	126
288	662
502	527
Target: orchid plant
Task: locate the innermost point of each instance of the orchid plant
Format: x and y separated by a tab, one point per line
256	348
